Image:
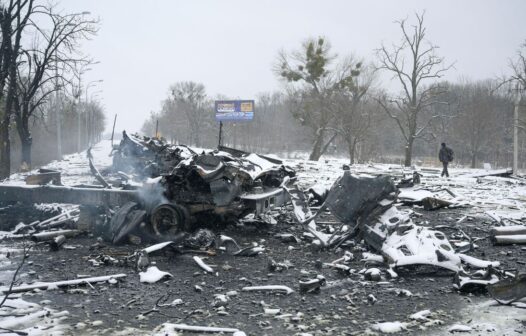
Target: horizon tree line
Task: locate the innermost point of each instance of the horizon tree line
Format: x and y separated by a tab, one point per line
336	105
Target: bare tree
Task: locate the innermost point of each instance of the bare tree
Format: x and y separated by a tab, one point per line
14	18
477	122
313	101
519	66
45	63
354	119
190	97
413	62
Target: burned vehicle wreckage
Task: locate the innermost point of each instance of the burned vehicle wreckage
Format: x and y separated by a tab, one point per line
184	189
157	192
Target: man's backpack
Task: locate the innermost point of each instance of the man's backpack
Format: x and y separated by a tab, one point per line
450	155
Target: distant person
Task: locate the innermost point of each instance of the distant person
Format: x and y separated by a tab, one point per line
445	156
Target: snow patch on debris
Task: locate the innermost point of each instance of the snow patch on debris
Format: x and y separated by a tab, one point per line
421	315
172	328
153	274
390	327
459	328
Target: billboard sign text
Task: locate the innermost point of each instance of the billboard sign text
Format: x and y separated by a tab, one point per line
234	110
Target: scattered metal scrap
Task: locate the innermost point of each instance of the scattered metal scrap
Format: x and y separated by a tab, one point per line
509	290
60	284
506	172
366	204
182	190
507	235
194	188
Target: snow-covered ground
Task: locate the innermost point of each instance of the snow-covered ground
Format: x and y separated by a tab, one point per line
496	198
74	167
487	317
500	197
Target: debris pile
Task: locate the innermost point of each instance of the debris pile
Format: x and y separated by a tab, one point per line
170	205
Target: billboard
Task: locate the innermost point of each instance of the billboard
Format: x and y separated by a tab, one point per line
234	110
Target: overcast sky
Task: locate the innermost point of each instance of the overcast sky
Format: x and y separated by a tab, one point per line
231	45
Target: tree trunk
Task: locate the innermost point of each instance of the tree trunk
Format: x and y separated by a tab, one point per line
5	150
352	151
473	160
26	143
316	150
326	146
197	138
408	153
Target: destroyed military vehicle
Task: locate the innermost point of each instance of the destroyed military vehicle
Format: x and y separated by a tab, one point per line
183	188
156	190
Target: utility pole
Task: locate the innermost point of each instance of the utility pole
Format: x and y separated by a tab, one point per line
89	111
516	131
57	112
79	139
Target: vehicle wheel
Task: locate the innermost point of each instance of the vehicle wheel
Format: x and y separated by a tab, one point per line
168	219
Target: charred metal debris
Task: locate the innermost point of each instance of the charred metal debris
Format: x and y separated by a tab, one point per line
155	191
166	194
183	189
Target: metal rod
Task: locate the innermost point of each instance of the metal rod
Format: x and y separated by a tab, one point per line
220	133
113	130
66	283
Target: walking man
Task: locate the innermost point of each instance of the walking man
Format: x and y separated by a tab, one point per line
445	156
